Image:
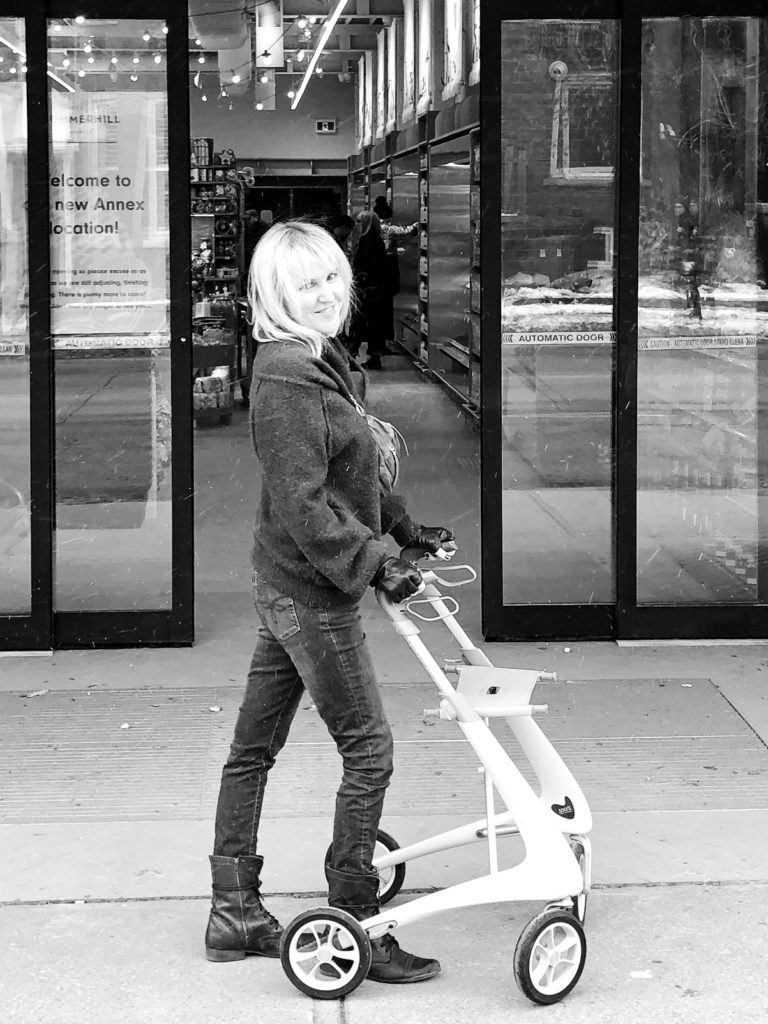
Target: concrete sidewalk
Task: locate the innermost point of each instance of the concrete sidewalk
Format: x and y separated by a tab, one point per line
103	920
680	954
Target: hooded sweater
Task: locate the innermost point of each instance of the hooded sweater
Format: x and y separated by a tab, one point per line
320	520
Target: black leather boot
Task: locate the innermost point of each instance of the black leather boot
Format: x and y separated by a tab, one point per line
357	893
239	924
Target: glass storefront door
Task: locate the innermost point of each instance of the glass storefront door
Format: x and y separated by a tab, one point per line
95	337
626	237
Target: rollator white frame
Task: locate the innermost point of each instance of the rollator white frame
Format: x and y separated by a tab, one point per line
549	871
327	953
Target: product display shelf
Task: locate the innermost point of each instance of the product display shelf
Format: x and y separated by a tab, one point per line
214	360
423	252
216	209
453	350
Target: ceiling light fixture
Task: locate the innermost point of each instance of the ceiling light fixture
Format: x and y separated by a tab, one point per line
324	37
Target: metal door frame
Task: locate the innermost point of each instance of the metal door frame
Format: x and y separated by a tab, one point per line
44	628
624	619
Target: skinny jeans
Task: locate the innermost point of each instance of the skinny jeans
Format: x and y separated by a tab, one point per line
323	651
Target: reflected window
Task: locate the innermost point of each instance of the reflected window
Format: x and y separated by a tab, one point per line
584	124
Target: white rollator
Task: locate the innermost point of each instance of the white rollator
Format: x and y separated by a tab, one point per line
326	953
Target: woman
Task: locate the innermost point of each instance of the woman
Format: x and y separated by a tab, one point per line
372	284
317	548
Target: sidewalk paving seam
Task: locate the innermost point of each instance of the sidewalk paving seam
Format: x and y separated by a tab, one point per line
598	887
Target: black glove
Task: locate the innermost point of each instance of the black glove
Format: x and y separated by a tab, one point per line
432	538
398	579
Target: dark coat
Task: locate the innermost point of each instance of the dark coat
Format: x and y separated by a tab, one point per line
321	517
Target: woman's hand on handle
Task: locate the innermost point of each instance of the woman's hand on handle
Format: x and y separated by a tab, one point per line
399	579
434	540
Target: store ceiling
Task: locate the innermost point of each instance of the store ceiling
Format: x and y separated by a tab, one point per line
80	53
354	34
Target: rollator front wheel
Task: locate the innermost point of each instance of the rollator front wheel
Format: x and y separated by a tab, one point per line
550	956
390	879
325	953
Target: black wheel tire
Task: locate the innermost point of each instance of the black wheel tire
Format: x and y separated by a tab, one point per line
391	884
579	902
536	944
343	947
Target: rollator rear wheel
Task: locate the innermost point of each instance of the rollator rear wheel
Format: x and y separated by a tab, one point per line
550	956
390	879
325	953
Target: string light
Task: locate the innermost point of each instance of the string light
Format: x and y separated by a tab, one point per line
307	33
134	77
259	105
235	78
302	22
319	72
204	98
81	73
88	47
291	93
264	78
196	79
146	37
66	62
134	59
57	27
91	59
157	58
80	20
201	59
300	55
113	59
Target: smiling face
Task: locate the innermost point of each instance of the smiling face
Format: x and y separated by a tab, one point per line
318	298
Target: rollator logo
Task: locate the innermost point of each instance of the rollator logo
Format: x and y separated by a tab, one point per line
566	809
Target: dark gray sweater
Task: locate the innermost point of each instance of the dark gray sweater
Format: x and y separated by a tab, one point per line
320	520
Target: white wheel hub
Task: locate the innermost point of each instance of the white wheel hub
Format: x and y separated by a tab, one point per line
555	958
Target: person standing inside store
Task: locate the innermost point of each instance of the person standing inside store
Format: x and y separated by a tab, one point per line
317	548
392	235
341	226
372	284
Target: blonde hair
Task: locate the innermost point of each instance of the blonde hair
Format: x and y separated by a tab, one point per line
279	261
